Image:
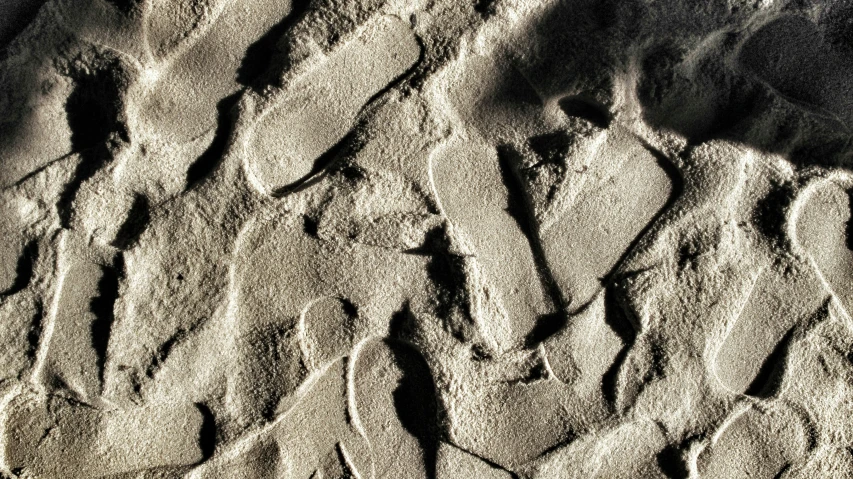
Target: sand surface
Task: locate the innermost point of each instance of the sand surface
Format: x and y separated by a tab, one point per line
428	239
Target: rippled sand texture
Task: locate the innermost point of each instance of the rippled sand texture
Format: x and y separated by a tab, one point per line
426	239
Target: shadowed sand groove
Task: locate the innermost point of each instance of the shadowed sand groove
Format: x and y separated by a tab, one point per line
431	239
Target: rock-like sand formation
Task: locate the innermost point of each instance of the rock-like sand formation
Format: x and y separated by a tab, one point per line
426	239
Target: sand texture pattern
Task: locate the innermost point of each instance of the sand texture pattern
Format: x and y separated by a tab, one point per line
437	239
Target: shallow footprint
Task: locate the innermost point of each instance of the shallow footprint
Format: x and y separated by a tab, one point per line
181	106
287	140
626	189
58	438
786	295
777	303
467	178
823	230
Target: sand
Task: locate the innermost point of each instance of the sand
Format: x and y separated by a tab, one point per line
426	239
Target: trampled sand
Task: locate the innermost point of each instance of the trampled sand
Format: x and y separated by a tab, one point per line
426	239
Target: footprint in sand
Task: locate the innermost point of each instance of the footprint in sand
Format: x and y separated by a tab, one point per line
51	437
825	232
317	111
780	300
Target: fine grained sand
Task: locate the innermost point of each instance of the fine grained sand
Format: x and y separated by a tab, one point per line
426	239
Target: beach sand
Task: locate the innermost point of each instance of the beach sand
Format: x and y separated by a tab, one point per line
426	239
